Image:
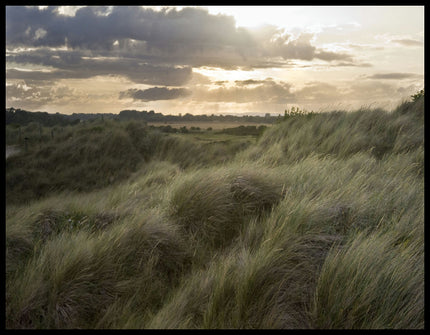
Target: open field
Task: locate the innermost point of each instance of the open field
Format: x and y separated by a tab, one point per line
206	125
316	223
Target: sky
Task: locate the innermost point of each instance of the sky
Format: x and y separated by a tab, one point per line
247	60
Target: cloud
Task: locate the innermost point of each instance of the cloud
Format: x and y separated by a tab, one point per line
267	91
408	42
30	96
352	64
330	56
155	93
187	37
393	76
373	90
249	82
318	92
79	64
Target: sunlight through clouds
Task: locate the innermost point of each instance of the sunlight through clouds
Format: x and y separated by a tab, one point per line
184	53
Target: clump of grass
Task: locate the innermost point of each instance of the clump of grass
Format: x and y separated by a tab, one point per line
75	277
373	282
213	204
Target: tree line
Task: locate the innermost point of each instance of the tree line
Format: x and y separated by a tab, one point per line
23	117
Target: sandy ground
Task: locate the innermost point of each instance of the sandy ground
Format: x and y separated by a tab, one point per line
11	150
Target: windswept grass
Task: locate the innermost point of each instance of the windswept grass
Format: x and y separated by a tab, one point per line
213	204
375	281
343	134
317	225
75	277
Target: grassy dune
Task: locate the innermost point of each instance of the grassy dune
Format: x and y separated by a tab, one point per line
318	223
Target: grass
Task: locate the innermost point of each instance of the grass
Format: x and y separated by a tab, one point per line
382	280
95	155
317	224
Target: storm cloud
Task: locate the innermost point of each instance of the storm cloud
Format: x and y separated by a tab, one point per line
188	37
77	64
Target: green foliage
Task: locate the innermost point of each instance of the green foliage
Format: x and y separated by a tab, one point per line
296	111
244	130
417	95
22	117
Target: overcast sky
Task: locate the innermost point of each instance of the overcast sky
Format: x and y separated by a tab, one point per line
212	60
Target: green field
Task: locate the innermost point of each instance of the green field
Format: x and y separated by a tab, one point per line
317	222
205	125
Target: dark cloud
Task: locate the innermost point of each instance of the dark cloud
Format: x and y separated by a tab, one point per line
330	56
155	93
78	64
190	36
408	42
393	76
248	82
352	64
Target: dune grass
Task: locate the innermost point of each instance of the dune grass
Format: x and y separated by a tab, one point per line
317	225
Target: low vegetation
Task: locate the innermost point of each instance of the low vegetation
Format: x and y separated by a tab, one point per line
316	222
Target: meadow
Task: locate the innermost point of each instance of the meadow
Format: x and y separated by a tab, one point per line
317	222
205	125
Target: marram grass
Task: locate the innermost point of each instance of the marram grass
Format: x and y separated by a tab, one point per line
317	225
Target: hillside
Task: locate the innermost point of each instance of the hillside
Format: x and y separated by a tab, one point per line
316	223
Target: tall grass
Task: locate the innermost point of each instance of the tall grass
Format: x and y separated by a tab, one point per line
213	204
76	276
376	281
319	224
344	134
